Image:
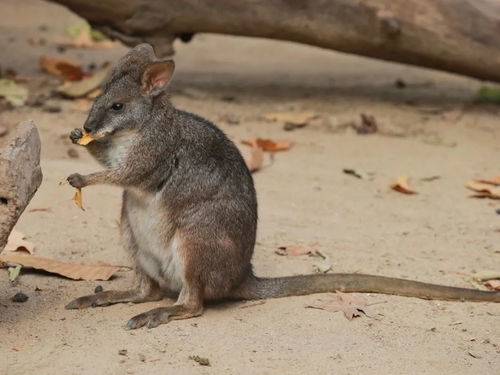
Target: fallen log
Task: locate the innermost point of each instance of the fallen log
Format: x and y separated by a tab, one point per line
458	36
20	175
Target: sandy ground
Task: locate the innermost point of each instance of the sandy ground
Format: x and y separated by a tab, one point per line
431	127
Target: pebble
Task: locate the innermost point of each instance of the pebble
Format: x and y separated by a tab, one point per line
20	297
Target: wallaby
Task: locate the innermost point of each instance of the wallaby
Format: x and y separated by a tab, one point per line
189	213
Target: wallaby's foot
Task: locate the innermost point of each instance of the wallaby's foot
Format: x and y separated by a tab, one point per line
162	315
75	135
76	180
112	297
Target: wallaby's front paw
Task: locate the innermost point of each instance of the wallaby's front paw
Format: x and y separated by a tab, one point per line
75	135
76	180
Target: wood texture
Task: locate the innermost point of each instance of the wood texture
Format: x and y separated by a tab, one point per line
458	36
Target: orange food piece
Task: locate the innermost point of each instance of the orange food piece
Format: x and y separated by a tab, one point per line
87	138
78	198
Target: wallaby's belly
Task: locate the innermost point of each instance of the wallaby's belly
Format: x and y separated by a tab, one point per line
158	253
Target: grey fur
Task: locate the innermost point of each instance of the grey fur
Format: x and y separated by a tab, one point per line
189	214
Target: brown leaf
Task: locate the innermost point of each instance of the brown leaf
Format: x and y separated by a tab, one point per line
295	118
368	125
484	189
75	271
492	284
78	198
94	94
16	242
268	144
492	181
85	86
294	250
255	160
401	185
351	304
67	69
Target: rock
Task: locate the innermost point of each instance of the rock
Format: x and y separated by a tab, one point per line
98	289
20	297
20	175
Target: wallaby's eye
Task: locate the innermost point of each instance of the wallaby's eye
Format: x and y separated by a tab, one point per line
117	106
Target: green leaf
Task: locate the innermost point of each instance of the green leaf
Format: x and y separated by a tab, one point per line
13	93
490	94
14	272
76	28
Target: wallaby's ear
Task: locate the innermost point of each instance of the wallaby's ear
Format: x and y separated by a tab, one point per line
156	77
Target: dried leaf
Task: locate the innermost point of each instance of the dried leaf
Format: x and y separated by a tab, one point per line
294	118
294	250
85	86
78	198
268	144
351	304
324	267
492	284
492	181
483	275
255	159
368	125
16	242
86	38
14	272
484	189
401	185
40	209
73	271
65	68
15	94
94	94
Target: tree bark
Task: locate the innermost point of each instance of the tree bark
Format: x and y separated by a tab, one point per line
20	175
458	36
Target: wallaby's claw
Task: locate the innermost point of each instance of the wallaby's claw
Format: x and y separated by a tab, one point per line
75	135
150	319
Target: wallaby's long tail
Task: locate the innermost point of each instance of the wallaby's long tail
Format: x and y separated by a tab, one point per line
260	288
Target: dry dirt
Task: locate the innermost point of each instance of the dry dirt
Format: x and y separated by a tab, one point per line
430	127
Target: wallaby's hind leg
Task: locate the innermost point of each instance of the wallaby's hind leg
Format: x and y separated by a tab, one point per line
188	305
147	290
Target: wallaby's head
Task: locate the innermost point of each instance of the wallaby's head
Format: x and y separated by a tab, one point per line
130	93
